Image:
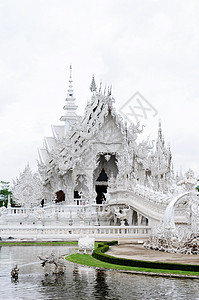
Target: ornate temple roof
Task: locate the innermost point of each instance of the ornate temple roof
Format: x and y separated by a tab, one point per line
71	141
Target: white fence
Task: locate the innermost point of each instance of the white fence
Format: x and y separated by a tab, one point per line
39	232
60	208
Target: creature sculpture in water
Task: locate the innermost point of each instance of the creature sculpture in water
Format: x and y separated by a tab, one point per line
15	273
53	259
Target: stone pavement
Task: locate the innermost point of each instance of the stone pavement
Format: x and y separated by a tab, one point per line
137	251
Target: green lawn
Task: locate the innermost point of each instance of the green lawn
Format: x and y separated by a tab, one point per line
88	260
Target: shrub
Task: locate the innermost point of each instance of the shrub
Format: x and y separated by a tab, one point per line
102	248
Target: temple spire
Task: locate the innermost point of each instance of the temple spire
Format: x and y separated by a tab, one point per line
70	115
160	139
70	86
93	86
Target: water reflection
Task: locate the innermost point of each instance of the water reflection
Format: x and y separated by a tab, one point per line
81	282
100	285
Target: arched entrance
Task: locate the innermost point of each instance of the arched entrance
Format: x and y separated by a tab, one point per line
101	187
106	167
60	196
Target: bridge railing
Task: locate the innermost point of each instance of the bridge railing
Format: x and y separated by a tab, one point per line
73	232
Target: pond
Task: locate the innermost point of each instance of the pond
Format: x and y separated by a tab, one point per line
81	282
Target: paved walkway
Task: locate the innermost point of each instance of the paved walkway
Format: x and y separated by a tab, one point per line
136	251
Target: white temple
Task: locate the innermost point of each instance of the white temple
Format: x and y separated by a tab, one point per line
94	172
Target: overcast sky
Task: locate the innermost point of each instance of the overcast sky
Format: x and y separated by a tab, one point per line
148	46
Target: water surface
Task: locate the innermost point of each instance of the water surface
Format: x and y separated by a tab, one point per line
81	282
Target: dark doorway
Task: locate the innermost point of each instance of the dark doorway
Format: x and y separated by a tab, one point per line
60	196
100	190
102	176
76	195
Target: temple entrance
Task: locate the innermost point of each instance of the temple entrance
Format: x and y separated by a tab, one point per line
60	196
101	187
106	168
101	190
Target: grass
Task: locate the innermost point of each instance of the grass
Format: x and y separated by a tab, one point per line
36	243
88	260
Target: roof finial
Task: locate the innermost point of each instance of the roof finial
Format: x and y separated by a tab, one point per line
70	71
110	90
70	86
93	86
160	130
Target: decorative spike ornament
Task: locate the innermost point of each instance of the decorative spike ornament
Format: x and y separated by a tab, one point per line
93	86
100	87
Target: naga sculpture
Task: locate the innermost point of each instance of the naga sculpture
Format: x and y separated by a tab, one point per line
53	259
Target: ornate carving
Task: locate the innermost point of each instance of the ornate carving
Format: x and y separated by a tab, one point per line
168	238
27	190
86	244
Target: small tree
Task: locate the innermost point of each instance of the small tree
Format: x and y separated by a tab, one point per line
4	192
197	187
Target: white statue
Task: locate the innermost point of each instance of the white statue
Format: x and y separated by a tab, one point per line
86	244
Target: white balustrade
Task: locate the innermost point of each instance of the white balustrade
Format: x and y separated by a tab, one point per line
73	232
99	208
